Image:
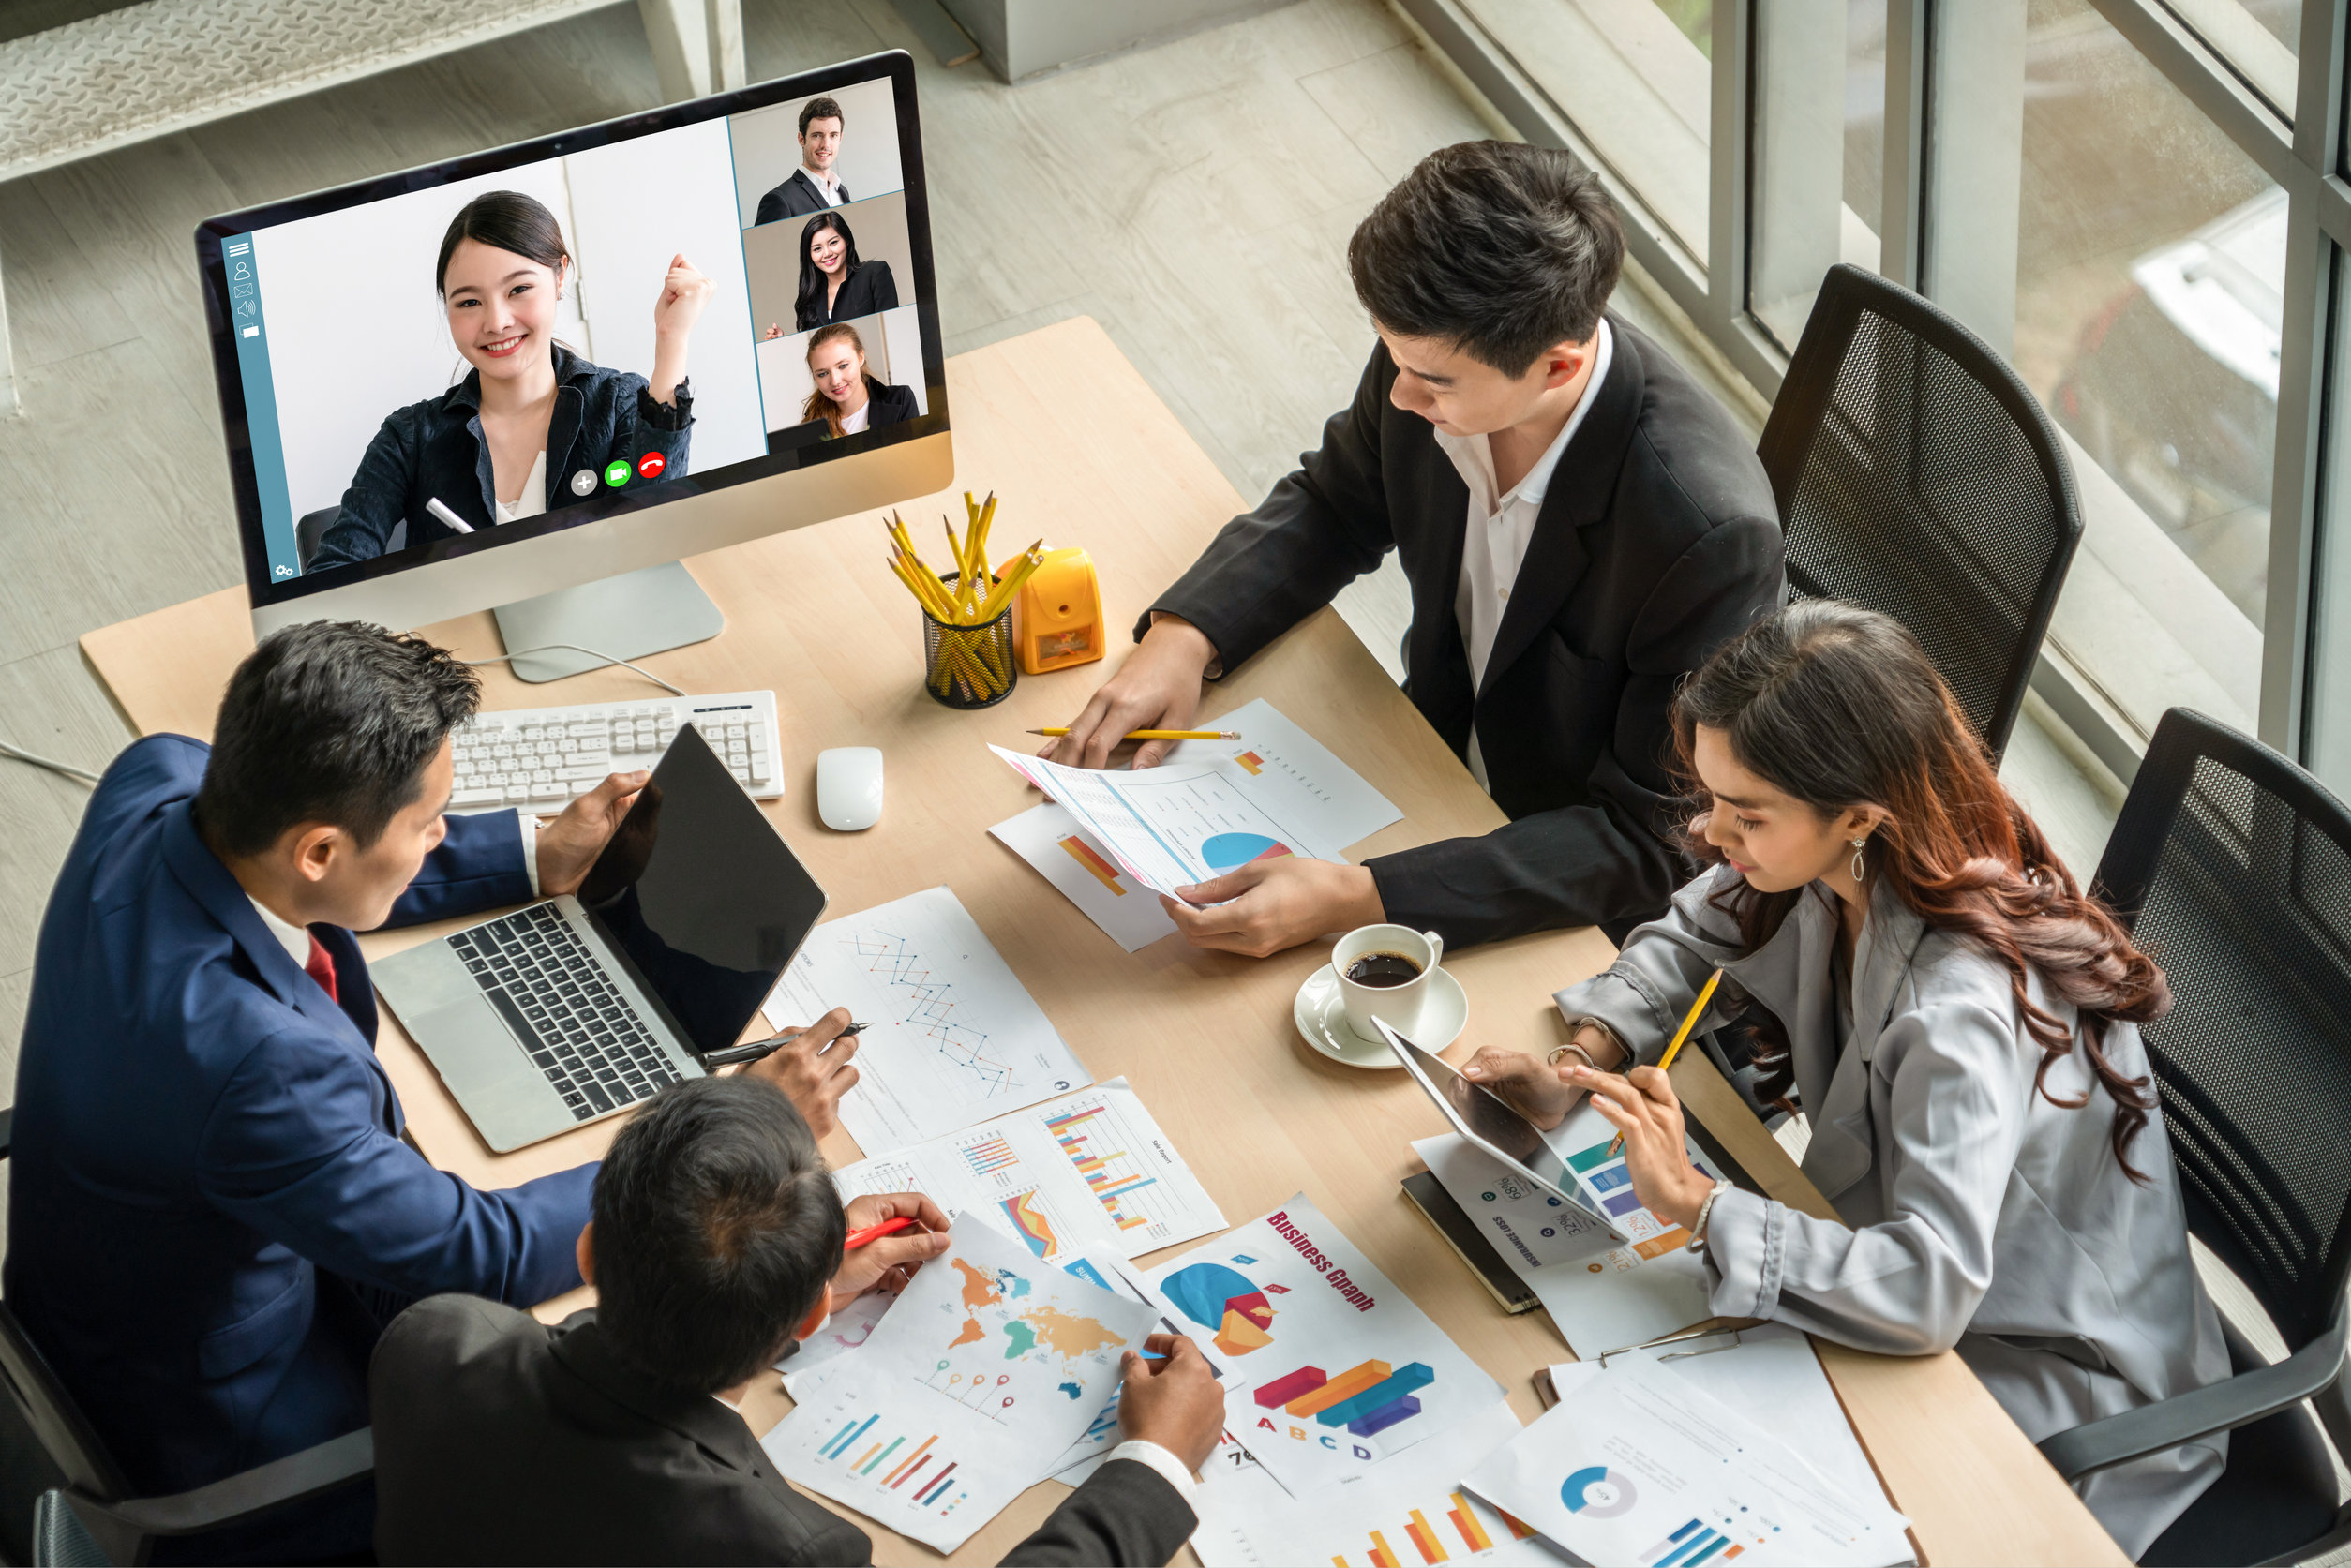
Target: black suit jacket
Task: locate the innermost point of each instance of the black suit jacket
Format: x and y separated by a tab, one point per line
869	291
795	197
1657	540
499	1440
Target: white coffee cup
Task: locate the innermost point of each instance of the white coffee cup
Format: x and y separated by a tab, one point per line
1396	1006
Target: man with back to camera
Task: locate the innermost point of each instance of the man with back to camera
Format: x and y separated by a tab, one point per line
211	1211
613	1437
1582	525
811	187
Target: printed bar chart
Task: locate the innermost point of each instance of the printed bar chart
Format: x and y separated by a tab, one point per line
1110	1183
1306	1379
1431	1543
1344	1386
989	1154
1388	1391
1613	1182
1689	1545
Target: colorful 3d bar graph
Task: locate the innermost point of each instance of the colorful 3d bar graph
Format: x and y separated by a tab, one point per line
1365	1399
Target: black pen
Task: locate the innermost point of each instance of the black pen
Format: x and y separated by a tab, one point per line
752	1051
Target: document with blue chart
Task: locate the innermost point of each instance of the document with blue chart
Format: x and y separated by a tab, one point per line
954	1035
1640	1465
1213	807
1330	1368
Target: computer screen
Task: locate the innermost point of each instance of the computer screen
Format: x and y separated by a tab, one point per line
725	291
705	901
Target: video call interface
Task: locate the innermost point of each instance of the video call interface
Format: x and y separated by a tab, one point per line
364	381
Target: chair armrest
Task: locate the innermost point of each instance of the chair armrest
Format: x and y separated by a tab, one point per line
2200	1413
249	1494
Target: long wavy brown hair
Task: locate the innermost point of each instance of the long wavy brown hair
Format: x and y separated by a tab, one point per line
818	406
1838	707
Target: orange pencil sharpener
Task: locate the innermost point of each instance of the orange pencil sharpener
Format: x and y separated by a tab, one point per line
1058	614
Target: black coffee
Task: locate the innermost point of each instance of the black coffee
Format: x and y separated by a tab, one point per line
1383	969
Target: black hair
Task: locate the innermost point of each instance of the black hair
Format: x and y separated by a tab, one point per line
1499	248
504	221
717	1227
330	721
808	310
821	108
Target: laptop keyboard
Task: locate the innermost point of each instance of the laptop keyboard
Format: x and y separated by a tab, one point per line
551	988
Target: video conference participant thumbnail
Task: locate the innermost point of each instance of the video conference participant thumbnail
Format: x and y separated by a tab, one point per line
836	283
812	187
846	397
530	414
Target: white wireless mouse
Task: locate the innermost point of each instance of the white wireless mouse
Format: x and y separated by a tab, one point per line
849	787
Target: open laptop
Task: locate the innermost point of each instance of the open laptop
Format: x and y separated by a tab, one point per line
575	1008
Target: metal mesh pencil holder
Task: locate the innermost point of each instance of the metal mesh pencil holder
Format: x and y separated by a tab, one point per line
968	666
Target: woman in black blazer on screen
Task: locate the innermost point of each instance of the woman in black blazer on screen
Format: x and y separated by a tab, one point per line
835	284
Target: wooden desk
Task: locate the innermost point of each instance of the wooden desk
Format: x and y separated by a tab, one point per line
1081	451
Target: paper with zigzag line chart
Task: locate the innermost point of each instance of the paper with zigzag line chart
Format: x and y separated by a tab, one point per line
954	1034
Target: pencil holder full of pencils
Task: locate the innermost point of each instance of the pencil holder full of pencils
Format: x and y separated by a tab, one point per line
968	666
968	646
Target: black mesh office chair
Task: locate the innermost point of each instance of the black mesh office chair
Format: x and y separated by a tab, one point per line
2232	867
1916	476
70	1503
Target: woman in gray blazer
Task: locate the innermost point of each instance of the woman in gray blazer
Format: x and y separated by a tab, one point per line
1923	976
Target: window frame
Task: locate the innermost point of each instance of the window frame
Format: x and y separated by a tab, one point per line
2305	158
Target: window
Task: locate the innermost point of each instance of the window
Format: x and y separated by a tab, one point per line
1634	77
2089	222
1820	130
2255	38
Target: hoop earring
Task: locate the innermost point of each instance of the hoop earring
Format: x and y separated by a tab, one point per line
1860	867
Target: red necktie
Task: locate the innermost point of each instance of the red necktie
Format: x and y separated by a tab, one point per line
322	969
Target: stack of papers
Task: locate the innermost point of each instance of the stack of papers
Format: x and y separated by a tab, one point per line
987	1371
1600	1297
1090	1169
1639	1464
1112	841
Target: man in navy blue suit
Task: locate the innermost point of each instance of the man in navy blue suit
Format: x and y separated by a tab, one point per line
211	1211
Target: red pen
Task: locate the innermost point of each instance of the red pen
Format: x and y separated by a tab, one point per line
874	1232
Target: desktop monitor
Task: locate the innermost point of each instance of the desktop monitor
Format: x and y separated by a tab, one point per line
383	351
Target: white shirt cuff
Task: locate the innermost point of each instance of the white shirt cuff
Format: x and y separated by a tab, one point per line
530	826
1159	1460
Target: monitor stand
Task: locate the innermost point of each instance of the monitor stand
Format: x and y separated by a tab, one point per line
625	616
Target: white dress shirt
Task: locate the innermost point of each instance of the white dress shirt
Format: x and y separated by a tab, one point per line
1499	527
296	941
533	502
828	185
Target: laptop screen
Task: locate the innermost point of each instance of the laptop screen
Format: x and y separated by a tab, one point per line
701	897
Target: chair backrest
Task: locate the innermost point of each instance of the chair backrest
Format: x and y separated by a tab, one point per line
2232	868
43	1403
1918	477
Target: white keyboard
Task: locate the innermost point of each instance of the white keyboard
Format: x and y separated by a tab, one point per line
539	758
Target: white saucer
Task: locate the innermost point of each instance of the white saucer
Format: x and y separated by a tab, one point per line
1321	1015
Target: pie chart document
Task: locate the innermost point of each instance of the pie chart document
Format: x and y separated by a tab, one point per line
1640	1465
1213	807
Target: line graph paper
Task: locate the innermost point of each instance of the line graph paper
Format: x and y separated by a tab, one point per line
929	1007
953	1035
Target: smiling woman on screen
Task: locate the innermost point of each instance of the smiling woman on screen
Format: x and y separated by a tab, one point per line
835	284
847	398
532	424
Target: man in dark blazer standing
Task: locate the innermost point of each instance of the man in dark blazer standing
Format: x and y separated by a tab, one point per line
211	1210
612	1436
811	187
1582	524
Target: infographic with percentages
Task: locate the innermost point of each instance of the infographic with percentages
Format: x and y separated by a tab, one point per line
950	1035
987	1367
1091	1168
1333	1367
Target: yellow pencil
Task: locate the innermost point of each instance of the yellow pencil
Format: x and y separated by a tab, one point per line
1160	733
1689	1021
